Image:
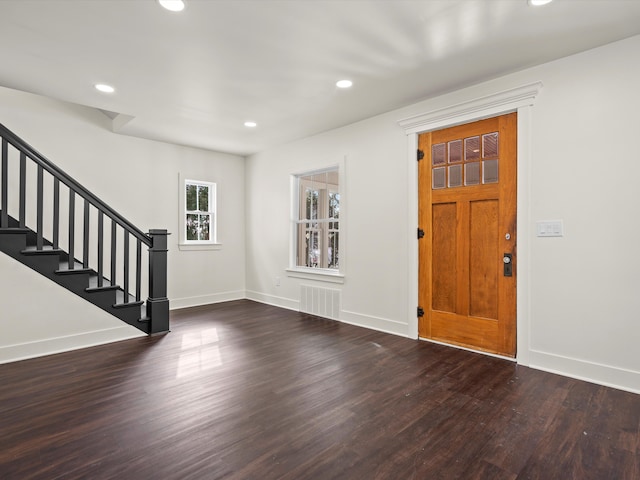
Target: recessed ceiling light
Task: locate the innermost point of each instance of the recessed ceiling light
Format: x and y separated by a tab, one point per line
104	88
537	3
344	83
172	5
250	124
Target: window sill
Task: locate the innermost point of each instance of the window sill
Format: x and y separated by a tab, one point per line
188	247
320	275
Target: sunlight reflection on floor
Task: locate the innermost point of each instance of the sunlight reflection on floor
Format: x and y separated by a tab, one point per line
199	353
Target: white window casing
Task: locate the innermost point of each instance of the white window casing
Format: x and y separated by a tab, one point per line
317	224
198	215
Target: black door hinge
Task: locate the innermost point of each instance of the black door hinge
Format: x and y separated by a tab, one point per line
420	233
420	155
420	312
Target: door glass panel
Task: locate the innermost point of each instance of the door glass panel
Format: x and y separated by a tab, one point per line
472	174
455	151
455	176
472	148
439	154
490	145
439	180
468	152
490	171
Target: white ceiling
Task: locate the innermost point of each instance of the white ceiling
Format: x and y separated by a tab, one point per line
195	77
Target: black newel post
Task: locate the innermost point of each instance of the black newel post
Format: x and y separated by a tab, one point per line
158	303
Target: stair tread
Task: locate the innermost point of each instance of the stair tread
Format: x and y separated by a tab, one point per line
78	268
106	284
73	271
130	302
14	230
126	305
46	250
104	288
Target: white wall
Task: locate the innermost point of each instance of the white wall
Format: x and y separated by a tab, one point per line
582	290
140	179
373	207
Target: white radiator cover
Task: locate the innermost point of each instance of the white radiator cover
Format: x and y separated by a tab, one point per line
323	302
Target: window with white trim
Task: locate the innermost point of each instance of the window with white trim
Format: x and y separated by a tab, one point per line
317	220
199	214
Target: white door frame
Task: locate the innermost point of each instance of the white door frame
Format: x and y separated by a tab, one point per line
521	100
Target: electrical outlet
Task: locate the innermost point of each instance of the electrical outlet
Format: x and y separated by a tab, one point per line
277	281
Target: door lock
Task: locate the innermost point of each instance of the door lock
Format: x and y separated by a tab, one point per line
508	266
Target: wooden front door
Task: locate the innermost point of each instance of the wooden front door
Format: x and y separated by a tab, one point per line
467	209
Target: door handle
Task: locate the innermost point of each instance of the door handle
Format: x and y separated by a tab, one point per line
508	265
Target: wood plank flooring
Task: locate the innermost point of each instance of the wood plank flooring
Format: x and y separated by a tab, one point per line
242	391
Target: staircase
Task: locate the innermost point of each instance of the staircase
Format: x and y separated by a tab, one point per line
38	226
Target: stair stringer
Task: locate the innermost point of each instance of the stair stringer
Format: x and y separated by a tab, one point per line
19	243
40	317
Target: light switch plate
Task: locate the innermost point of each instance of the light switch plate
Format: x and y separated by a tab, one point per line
550	228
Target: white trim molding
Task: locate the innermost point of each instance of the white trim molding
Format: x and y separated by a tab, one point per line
273	300
186	302
319	274
50	346
185	245
472	110
606	375
195	247
518	99
380	324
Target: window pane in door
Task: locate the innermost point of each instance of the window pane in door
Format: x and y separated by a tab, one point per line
455	176
439	178
471	148
490	145
438	154
455	151
472	173
490	171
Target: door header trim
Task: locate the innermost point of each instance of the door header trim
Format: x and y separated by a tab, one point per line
476	109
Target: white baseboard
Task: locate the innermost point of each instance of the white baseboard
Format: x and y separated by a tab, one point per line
352	318
177	303
606	375
273	300
375	323
50	346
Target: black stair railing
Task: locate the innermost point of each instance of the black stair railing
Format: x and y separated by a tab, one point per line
94	242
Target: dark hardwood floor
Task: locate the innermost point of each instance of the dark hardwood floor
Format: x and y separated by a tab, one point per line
242	390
